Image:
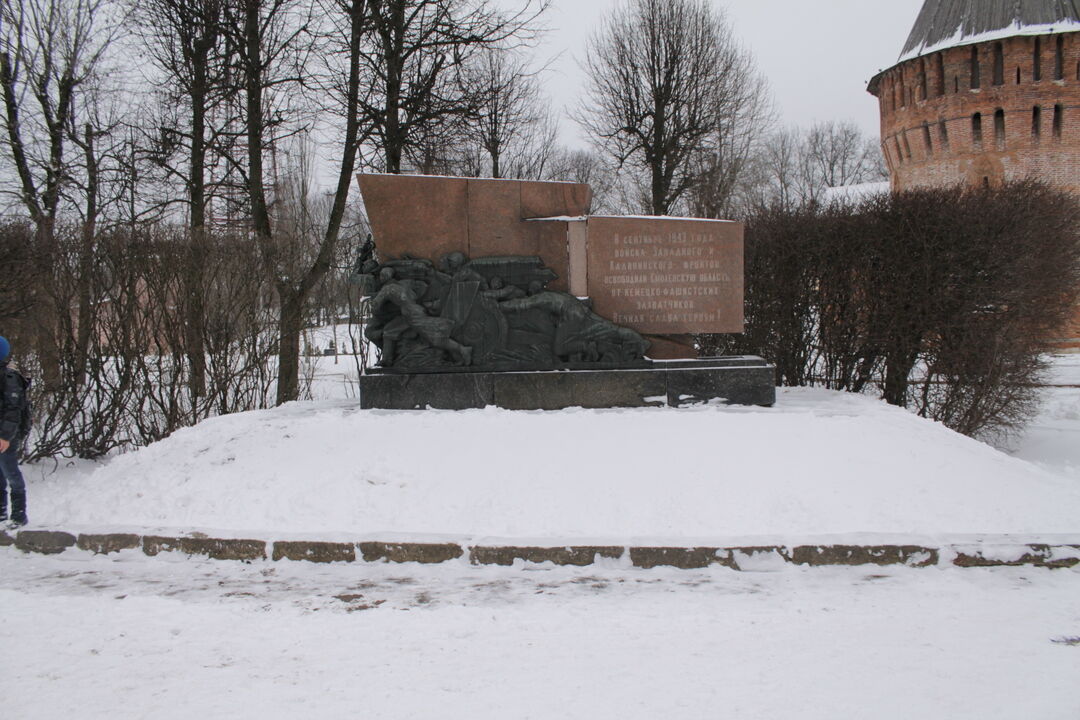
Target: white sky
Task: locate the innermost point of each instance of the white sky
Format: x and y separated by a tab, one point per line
817	55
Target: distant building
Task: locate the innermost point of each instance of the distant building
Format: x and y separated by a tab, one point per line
984	92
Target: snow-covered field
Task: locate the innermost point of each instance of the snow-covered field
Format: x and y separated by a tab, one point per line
99	639
134	637
819	463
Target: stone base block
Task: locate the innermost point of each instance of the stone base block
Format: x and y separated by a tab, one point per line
573	555
213	548
318	552
425	553
103	544
731	380
46	542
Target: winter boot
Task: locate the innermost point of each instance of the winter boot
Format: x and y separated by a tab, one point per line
18	509
3	505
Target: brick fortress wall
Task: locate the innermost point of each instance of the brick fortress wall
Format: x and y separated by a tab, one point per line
983	113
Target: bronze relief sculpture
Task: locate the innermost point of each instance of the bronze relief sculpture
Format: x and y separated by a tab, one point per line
491	313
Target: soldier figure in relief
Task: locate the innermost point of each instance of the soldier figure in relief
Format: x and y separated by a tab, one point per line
397	310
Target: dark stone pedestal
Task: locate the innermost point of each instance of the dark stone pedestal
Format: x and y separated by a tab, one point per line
731	380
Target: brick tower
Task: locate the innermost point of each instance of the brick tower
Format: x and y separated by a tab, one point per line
985	91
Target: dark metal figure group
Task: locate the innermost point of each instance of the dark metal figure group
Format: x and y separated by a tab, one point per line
494	313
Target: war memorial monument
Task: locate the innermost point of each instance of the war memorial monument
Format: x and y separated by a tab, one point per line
508	293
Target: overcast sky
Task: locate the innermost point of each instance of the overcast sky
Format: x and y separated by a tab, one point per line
817	55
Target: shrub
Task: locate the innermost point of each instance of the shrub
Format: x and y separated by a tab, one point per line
944	301
106	337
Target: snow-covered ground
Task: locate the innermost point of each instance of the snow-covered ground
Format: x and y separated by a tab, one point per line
127	636
93	638
820	462
1052	441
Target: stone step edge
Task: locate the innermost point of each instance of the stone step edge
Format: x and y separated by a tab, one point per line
980	554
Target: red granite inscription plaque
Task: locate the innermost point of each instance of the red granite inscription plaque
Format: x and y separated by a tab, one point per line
667	276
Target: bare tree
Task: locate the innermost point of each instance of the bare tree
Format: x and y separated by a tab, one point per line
508	133
837	153
415	64
778	171
656	73
93	191
584	166
579	166
272	41
530	155
50	54
186	41
507	103
725	163
443	146
794	167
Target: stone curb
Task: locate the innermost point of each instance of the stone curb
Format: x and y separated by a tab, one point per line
215	549
319	552
989	554
572	555
1038	555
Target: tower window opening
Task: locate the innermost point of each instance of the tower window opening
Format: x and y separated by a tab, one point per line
927	141
999	129
976	129
999	64
940	84
899	154
976	80
907	146
1059	120
1017	76
1037	68
1059	59
922	80
943	132
1036	122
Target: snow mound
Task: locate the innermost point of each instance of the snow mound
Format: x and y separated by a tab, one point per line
819	462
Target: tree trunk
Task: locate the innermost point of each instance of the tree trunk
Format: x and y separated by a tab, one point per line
85	322
193	327
394	143
656	164
898	366
394	38
46	311
290	324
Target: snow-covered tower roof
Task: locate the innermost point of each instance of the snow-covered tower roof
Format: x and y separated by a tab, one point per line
950	23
